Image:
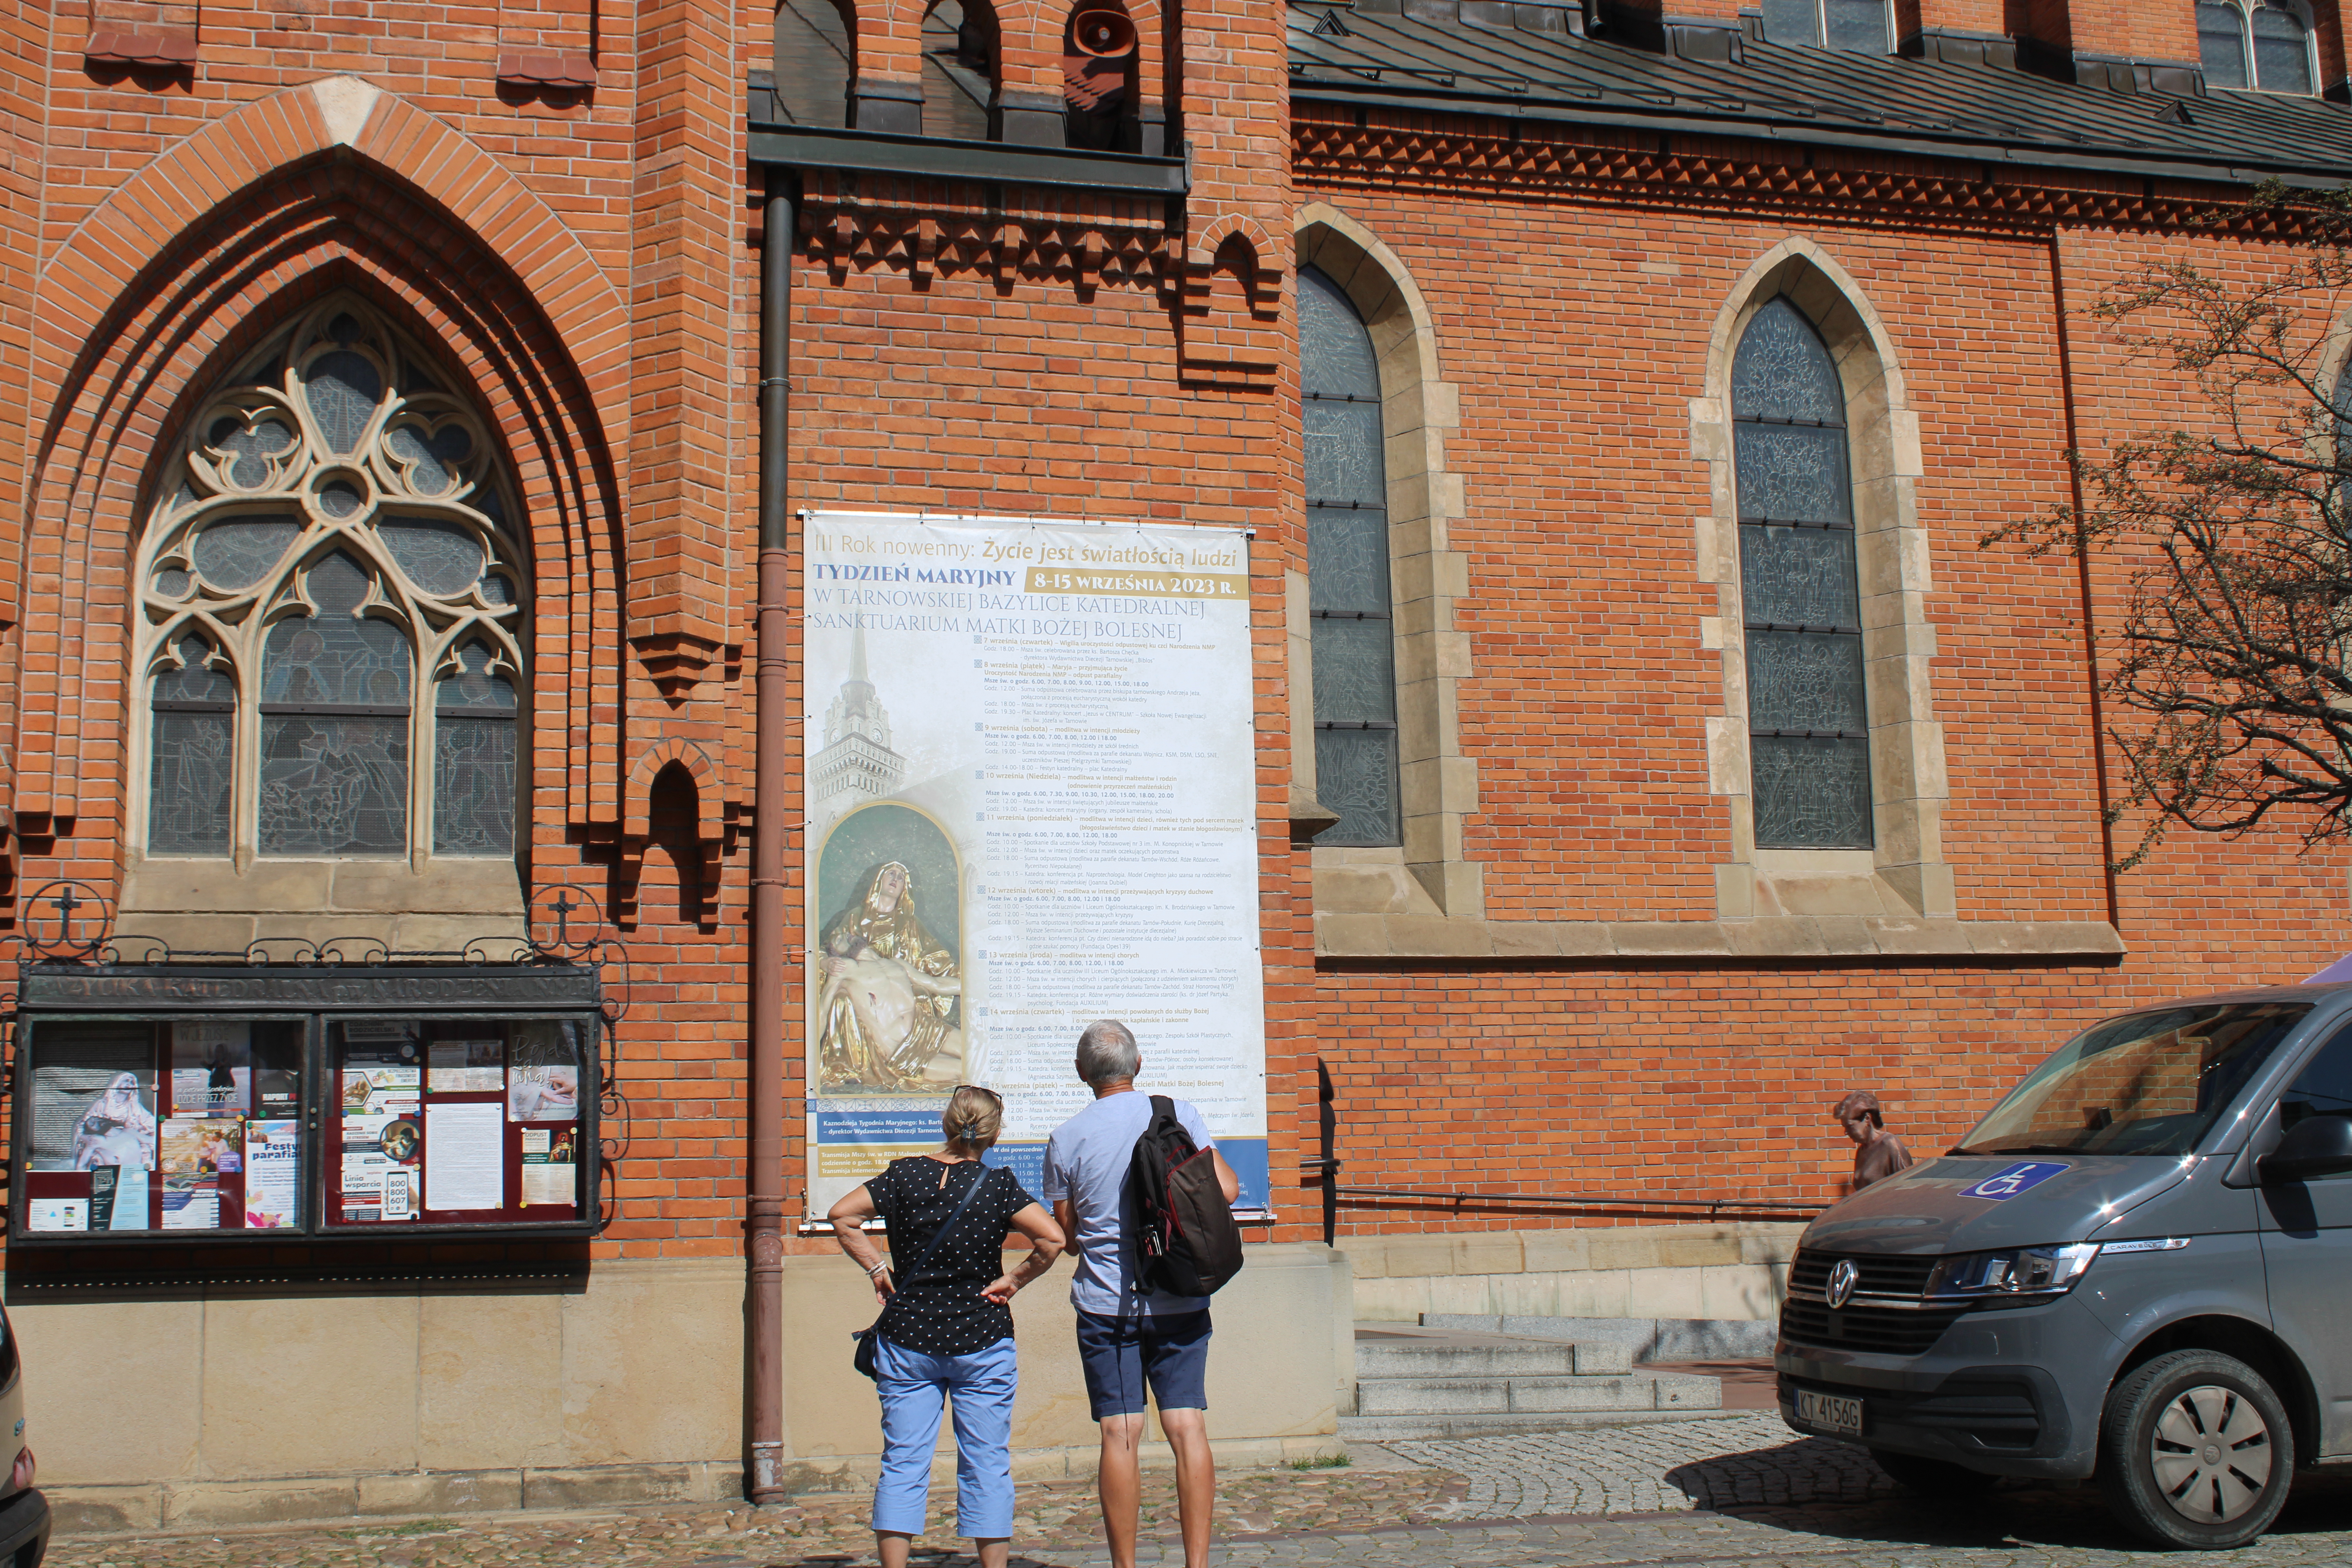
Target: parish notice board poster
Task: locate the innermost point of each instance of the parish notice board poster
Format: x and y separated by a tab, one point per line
1030	784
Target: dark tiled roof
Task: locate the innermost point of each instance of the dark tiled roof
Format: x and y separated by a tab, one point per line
1807	95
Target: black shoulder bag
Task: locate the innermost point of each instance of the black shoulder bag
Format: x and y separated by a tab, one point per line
863	1357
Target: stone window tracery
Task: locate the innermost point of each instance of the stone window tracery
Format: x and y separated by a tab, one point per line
332	543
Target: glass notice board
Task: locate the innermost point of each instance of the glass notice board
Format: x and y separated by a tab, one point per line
454	1121
227	1125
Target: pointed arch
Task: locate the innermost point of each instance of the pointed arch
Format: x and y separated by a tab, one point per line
1904	872
189	266
1438	786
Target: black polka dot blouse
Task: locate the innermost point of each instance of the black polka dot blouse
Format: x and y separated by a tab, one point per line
941	1311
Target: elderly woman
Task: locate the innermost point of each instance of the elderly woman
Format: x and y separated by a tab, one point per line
947	1325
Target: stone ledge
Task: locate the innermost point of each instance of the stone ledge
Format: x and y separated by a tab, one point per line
1797	937
103	1509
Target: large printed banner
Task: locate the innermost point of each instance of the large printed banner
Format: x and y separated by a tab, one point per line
1031	797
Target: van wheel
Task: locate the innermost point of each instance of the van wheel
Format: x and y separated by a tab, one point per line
2195	1451
1932	1477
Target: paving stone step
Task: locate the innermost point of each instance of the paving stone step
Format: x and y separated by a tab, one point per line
1525	1395
1423	1358
1417	1428
1397	1350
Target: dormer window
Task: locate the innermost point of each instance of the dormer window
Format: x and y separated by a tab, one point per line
1853	26
2265	45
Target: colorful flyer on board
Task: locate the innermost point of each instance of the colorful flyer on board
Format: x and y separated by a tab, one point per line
212	1069
130	1190
468	1067
190	1204
550	1167
399	1192
543	1094
382	1091
97	1110
57	1213
270	1163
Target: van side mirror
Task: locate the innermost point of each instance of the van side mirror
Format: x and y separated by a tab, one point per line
2315	1146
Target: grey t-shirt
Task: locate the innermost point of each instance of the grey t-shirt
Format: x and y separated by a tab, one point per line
1087	1161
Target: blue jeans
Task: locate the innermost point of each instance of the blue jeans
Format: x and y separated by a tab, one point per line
913	1386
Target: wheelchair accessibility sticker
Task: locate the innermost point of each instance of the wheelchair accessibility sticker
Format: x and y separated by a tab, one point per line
2018	1178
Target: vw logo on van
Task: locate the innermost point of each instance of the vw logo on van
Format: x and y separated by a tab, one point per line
1843	1275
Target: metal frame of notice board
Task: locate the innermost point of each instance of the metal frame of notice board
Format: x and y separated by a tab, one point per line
339	1047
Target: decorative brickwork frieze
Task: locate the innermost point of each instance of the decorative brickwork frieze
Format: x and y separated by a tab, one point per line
935	229
1465	155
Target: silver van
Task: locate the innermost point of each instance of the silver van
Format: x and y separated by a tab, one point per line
24	1512
2138	1267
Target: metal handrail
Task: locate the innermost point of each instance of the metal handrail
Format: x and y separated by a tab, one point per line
1363	1198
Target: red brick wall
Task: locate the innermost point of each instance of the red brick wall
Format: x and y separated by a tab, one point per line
586	259
1576	328
2166	30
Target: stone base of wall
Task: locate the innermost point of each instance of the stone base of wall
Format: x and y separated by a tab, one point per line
292	1500
249	1409
88	1510
1736	1270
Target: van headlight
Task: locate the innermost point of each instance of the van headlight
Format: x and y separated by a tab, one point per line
2013	1272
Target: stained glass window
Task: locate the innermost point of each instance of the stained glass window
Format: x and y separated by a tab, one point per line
474	758
335	534
1808	718
1352	627
190	761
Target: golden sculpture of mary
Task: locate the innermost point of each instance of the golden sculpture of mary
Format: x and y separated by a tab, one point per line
890	990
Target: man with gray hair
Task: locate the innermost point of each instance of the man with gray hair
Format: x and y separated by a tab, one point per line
1131	1337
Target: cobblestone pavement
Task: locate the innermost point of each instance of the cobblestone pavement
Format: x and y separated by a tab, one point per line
1664	1466
1743	1489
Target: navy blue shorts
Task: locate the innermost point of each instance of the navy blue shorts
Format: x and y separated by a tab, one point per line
1121	1356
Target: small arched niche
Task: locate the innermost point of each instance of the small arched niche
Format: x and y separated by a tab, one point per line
815	61
962	52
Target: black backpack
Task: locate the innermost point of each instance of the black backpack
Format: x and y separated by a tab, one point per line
1186	1241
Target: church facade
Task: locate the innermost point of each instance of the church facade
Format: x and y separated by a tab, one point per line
407	423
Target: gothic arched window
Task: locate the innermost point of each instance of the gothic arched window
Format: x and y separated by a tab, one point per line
1353	633
332	540
1808	721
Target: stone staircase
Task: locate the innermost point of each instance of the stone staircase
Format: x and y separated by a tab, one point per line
1420	1383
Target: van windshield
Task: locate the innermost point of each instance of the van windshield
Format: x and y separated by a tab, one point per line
2146	1083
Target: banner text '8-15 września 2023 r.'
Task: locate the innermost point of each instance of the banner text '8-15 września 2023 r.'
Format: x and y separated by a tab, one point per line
1031	785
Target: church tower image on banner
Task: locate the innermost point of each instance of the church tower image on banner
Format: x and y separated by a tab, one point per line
857	760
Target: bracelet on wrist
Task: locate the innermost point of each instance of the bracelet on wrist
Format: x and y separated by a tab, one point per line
877	1268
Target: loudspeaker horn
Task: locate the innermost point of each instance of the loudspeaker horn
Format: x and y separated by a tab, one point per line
1105	35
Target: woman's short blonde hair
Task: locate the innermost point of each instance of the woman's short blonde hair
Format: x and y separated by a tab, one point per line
974	1118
